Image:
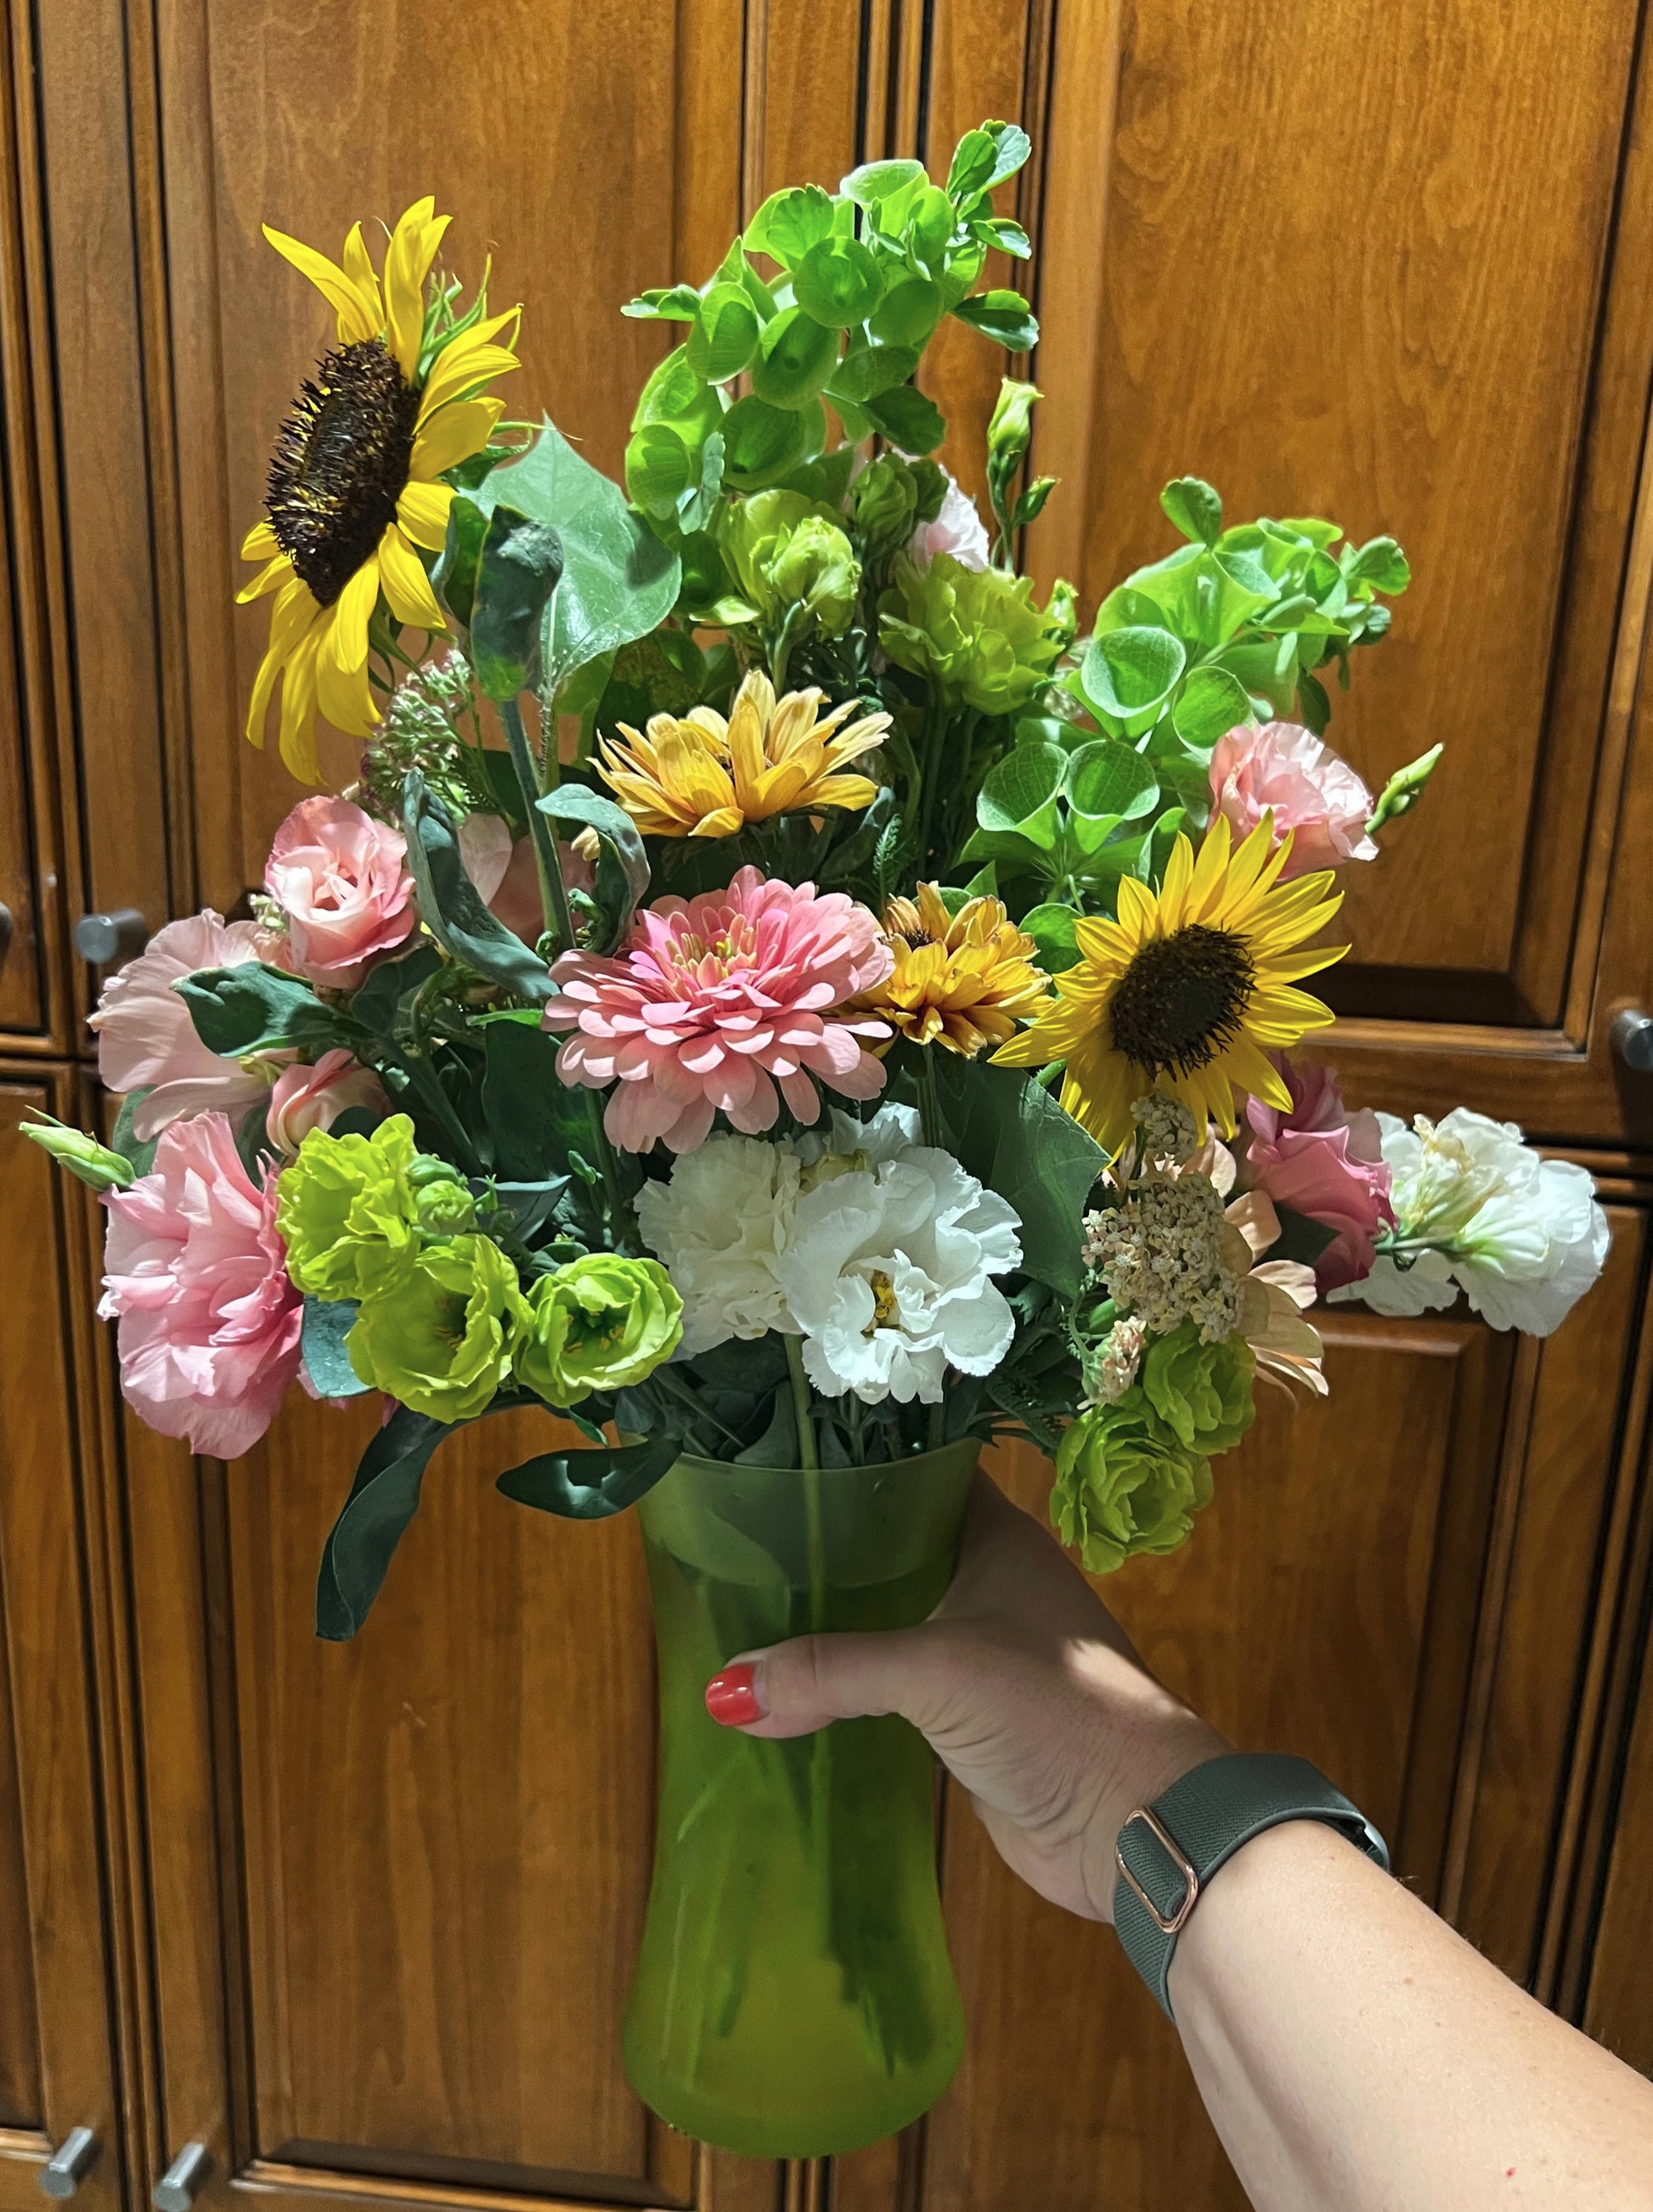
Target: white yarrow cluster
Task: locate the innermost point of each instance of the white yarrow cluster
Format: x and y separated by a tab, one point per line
1164	1254
1477	1210
879	1251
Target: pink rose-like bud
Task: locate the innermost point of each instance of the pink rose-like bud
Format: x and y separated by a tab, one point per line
342	881
307	1098
1322	1161
1284	770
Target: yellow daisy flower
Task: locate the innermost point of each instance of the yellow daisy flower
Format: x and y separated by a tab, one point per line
1189	989
701	777
354	488
961	980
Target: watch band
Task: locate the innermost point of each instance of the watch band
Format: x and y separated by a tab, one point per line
1168	1852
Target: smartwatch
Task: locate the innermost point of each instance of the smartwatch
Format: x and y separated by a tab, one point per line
1168	1851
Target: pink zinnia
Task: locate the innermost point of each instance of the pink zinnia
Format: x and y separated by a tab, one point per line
197	1276
710	998
1325	1163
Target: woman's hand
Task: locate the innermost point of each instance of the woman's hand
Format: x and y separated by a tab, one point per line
1026	1687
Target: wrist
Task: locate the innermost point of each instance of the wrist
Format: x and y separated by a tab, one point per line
1156	1747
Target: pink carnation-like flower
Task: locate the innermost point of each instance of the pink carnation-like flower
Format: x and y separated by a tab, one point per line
713	1001
341	879
1324	1162
1284	770
146	1039
197	1277
958	529
307	1098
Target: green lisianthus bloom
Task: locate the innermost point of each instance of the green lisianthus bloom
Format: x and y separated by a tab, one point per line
1125	1483
975	632
348	1211
1203	1391
787	552
441	1338
603	1323
883	502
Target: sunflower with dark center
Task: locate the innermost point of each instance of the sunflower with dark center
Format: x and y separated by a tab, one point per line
353	492
1190	989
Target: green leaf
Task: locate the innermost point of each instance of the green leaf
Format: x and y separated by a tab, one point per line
907	312
139	1151
1127	674
589	1486
383	1499
1004	236
930	231
534	1117
673	393
1195	508
762	442
521	563
1011	1135
376	1005
796	356
723	337
1316	708
660	468
1019	795
863	375
790	222
1381	563
1051	928
677	303
454	576
1106	783
1210	704
327	1322
618	580
838	281
1300	1237
238	1011
624	880
1003	316
908	419
874	181
450	906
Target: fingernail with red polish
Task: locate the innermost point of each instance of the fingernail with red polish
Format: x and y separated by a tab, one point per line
731	1699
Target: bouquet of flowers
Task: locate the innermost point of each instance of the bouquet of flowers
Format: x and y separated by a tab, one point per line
771	993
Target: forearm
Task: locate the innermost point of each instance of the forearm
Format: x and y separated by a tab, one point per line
1354	2054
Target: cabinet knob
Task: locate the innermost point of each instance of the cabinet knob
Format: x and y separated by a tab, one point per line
181	2184
70	2163
1632	1039
107	940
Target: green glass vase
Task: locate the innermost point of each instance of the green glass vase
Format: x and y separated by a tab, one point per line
794	1995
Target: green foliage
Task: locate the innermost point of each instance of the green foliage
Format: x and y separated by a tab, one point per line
450	905
383	1499
1013	1135
589	1486
518	568
1125	1485
138	1152
621	863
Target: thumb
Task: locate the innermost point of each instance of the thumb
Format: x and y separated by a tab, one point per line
793	1688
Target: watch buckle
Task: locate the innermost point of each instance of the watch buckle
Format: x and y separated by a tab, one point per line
1178	1857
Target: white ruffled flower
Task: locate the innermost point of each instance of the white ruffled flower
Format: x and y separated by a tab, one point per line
958	529
888	1274
1477	1210
719	1227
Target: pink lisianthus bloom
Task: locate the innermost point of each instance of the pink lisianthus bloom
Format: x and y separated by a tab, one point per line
195	1275
506	876
958	529
147	1040
307	1098
1284	770
1324	1162
341	879
712	1002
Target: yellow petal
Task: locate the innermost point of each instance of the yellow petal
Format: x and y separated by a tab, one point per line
271	578
358	316
405	583
407	264
422	513
347	638
460	369
360	270
298	738
259	544
291	615
344	695
452	435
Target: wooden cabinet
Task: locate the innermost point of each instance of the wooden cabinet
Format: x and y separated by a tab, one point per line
360	1919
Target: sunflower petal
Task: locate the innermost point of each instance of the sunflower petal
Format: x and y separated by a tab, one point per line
460	369
422	515
406	584
292	615
298	734
352	612
358	316
407	264
271	578
358	267
259	544
452	435
343	694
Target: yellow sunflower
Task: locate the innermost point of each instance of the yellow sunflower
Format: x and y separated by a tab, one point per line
961	980
701	777
1189	989
354	488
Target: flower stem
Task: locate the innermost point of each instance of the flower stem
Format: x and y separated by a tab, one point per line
807	1455
929	1101
553	897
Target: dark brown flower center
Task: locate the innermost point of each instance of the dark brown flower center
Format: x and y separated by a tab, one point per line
340	465
1182	999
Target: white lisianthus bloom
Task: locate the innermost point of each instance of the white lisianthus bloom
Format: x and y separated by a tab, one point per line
1477	1210
719	1227
891	1131
958	529
888	1274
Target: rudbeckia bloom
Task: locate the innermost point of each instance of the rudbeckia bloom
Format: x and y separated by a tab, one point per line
961	980
1189	989
701	777
354	488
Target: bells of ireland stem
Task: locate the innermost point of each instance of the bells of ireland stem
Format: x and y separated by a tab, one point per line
975	632
794	564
